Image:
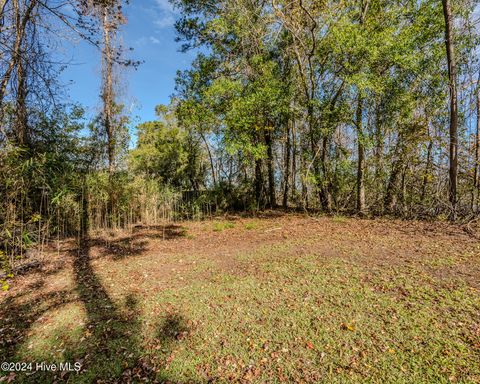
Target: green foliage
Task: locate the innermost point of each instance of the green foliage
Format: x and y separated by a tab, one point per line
39	184
167	153
303	67
159	153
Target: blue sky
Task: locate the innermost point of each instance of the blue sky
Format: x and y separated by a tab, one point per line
150	32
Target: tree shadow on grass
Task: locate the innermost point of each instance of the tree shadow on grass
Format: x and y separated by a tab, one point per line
19	312
136	243
120	248
113	346
111	349
167	232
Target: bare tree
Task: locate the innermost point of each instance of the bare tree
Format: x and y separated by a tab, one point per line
20	15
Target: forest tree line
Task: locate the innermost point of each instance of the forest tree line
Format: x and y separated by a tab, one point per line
367	106
358	106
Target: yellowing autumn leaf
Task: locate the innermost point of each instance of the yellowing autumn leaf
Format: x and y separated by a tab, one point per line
348	326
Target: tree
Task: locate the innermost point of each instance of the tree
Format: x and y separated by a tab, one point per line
452	80
167	153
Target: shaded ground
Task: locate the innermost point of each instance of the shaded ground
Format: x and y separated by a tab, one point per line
281	298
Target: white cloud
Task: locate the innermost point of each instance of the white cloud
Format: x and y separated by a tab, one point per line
165	5
165	14
154	40
165	21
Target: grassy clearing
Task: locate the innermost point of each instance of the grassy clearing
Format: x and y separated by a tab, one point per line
303	308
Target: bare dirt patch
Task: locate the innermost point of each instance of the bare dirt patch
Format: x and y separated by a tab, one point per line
162	252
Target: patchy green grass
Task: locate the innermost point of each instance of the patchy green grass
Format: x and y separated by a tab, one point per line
339	219
222	225
298	310
306	320
252	225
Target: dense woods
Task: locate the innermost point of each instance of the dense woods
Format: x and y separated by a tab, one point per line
365	106
368	107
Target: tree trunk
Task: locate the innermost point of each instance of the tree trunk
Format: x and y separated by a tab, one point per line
361	157
379	149
427	170
476	171
108	100
325	194
400	155
286	176
391	195
303	174
258	183
452	76
21	127
361	146
21	21
403	196
108	91
84	223
476	180
294	160
212	167
270	169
